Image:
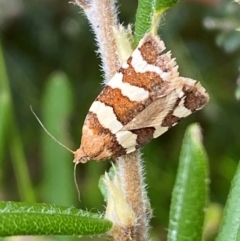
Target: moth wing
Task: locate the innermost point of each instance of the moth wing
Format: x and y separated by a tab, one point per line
154	114
187	97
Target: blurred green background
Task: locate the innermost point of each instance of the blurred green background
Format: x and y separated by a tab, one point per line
48	53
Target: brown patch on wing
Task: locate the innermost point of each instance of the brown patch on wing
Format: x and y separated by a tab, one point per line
194	98
149	52
171	119
98	142
124	109
149	80
144	135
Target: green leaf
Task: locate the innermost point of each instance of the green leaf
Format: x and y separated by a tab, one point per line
162	5
190	193
20	164
45	219
4	109
15	144
57	161
143	19
4	113
148	16
230	225
21	207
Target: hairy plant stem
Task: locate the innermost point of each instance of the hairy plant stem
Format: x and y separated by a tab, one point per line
102	15
132	179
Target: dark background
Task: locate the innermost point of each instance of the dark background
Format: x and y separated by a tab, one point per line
43	36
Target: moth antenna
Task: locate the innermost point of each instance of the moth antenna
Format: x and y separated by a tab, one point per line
41	124
75	182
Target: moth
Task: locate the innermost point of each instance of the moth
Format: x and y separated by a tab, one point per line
143	100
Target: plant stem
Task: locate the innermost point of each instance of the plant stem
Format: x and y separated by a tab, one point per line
132	178
103	18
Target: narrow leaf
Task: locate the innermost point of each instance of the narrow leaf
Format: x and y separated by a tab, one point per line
12	224
161	5
15	144
143	19
190	192
4	109
148	16
230	225
41	208
57	165
4	120
44	219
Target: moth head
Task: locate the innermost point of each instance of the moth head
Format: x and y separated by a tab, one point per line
80	156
